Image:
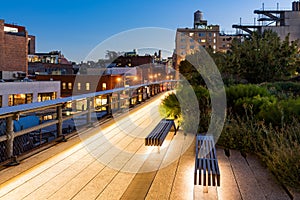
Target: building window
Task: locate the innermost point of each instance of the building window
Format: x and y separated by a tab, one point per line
192	47
182	40
18	99
214	40
214	47
202	40
191	34
46	96
104	86
78	86
64	86
70	86
87	86
182	46
201	34
191	40
214	34
209	34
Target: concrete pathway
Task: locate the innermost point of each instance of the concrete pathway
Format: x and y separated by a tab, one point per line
111	162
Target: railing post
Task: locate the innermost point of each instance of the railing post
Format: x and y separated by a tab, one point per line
130	97
119	101
59	123
89	114
10	142
108	104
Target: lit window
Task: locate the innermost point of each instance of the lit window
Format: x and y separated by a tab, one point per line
87	86
78	86
103	86
70	86
191	34
203	40
214	40
214	34
214	47
64	86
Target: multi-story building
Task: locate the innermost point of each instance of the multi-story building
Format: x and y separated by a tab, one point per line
16	93
53	62
283	22
189	40
71	85
14	46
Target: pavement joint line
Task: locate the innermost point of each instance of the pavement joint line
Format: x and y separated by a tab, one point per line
235	179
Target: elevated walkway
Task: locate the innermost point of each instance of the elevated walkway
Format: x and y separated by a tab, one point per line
111	162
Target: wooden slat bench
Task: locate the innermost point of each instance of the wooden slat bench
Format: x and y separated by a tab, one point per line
207	171
159	133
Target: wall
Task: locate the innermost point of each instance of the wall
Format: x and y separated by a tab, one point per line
94	80
13	50
8	88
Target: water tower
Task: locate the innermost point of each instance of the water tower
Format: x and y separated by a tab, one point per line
198	19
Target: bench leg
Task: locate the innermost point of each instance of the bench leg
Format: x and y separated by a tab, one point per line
205	189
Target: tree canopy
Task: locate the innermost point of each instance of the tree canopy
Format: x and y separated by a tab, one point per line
256	59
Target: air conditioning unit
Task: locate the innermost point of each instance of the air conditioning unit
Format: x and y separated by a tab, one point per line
15	75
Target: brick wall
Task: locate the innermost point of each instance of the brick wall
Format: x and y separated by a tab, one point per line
13	50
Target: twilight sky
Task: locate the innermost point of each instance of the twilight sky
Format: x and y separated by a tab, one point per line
77	26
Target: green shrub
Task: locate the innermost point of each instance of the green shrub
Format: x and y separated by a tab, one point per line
278	148
241	134
281	153
236	92
283	90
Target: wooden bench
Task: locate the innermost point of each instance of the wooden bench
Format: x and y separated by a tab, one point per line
207	171
159	133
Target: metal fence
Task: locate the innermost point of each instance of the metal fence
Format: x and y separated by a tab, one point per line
60	117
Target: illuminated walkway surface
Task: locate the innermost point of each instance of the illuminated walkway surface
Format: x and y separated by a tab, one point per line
104	165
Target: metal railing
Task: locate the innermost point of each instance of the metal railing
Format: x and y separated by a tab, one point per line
58	118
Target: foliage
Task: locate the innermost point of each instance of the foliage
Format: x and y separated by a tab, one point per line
236	92
281	153
170	107
263	58
283	90
278	148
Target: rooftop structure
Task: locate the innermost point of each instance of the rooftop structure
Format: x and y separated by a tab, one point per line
283	22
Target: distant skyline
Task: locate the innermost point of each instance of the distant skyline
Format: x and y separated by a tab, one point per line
76	27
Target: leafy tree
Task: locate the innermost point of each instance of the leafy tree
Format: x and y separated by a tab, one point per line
263	58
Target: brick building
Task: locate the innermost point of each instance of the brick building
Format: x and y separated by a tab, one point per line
189	40
14	48
84	83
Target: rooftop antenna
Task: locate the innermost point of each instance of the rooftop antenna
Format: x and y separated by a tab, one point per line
277	6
